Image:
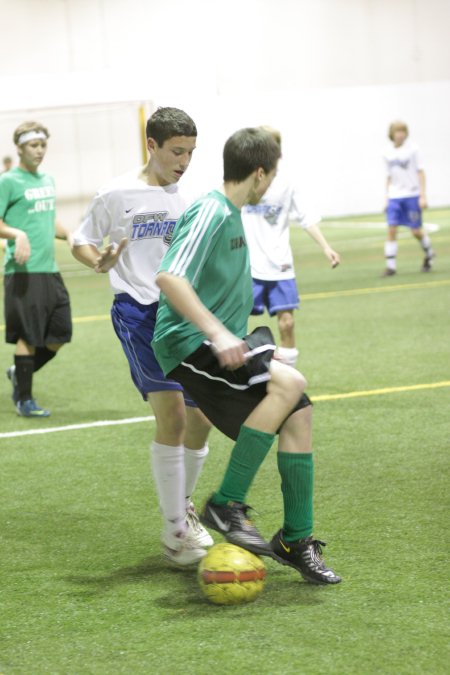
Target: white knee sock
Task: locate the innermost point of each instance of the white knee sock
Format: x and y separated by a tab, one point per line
289	355
390	253
169	474
193	463
425	242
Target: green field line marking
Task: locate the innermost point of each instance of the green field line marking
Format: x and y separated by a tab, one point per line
379	392
136	420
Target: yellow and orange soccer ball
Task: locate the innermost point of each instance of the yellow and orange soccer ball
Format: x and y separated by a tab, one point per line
229	575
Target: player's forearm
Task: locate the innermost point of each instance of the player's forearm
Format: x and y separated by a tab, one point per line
315	233
422	184
185	301
7	232
87	254
61	232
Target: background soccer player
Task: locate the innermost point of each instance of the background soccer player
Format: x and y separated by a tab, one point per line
406	196
37	305
266	227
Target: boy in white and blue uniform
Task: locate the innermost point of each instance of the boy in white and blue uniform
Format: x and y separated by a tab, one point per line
267	232
405	196
137	213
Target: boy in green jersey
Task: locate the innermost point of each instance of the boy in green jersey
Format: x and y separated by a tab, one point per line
37	305
236	380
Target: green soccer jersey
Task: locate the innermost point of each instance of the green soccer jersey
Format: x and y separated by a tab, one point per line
209	250
27	202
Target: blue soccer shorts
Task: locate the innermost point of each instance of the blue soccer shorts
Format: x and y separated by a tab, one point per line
277	296
134	325
405	211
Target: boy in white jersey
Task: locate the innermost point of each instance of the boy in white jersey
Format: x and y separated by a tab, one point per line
137	212
37	305
200	341
406	196
267	232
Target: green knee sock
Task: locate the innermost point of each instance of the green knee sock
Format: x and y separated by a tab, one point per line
247	456
297	478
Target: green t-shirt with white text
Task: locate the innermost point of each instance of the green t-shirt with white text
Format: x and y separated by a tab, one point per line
27	202
209	250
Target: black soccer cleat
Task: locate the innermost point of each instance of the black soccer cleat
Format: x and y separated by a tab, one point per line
428	263
304	555
11	375
232	522
388	272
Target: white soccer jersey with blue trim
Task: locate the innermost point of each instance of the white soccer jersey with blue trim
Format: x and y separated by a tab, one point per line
266	227
402	166
146	215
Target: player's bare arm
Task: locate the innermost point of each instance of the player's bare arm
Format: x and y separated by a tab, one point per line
22	250
100	261
315	232
422	187
62	232
388	182
229	349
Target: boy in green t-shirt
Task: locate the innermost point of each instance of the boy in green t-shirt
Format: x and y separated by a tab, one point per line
37	305
237	380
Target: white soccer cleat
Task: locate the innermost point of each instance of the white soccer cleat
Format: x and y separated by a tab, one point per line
196	530
182	549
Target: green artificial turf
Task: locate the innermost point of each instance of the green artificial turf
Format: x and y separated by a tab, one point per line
84	588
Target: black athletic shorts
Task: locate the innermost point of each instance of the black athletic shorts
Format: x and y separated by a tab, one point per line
227	397
37	309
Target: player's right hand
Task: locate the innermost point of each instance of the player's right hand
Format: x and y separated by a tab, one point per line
22	249
230	350
109	256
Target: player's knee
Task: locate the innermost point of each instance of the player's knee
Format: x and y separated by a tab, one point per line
298	383
286	322
197	428
171	424
287	382
53	347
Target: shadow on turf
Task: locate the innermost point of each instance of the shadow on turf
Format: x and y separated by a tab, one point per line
283	587
154	568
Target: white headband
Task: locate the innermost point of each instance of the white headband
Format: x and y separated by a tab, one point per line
31	136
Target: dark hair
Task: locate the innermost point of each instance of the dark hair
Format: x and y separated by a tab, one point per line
166	123
247	150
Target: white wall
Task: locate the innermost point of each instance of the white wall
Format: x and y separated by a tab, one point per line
331	74
333	139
